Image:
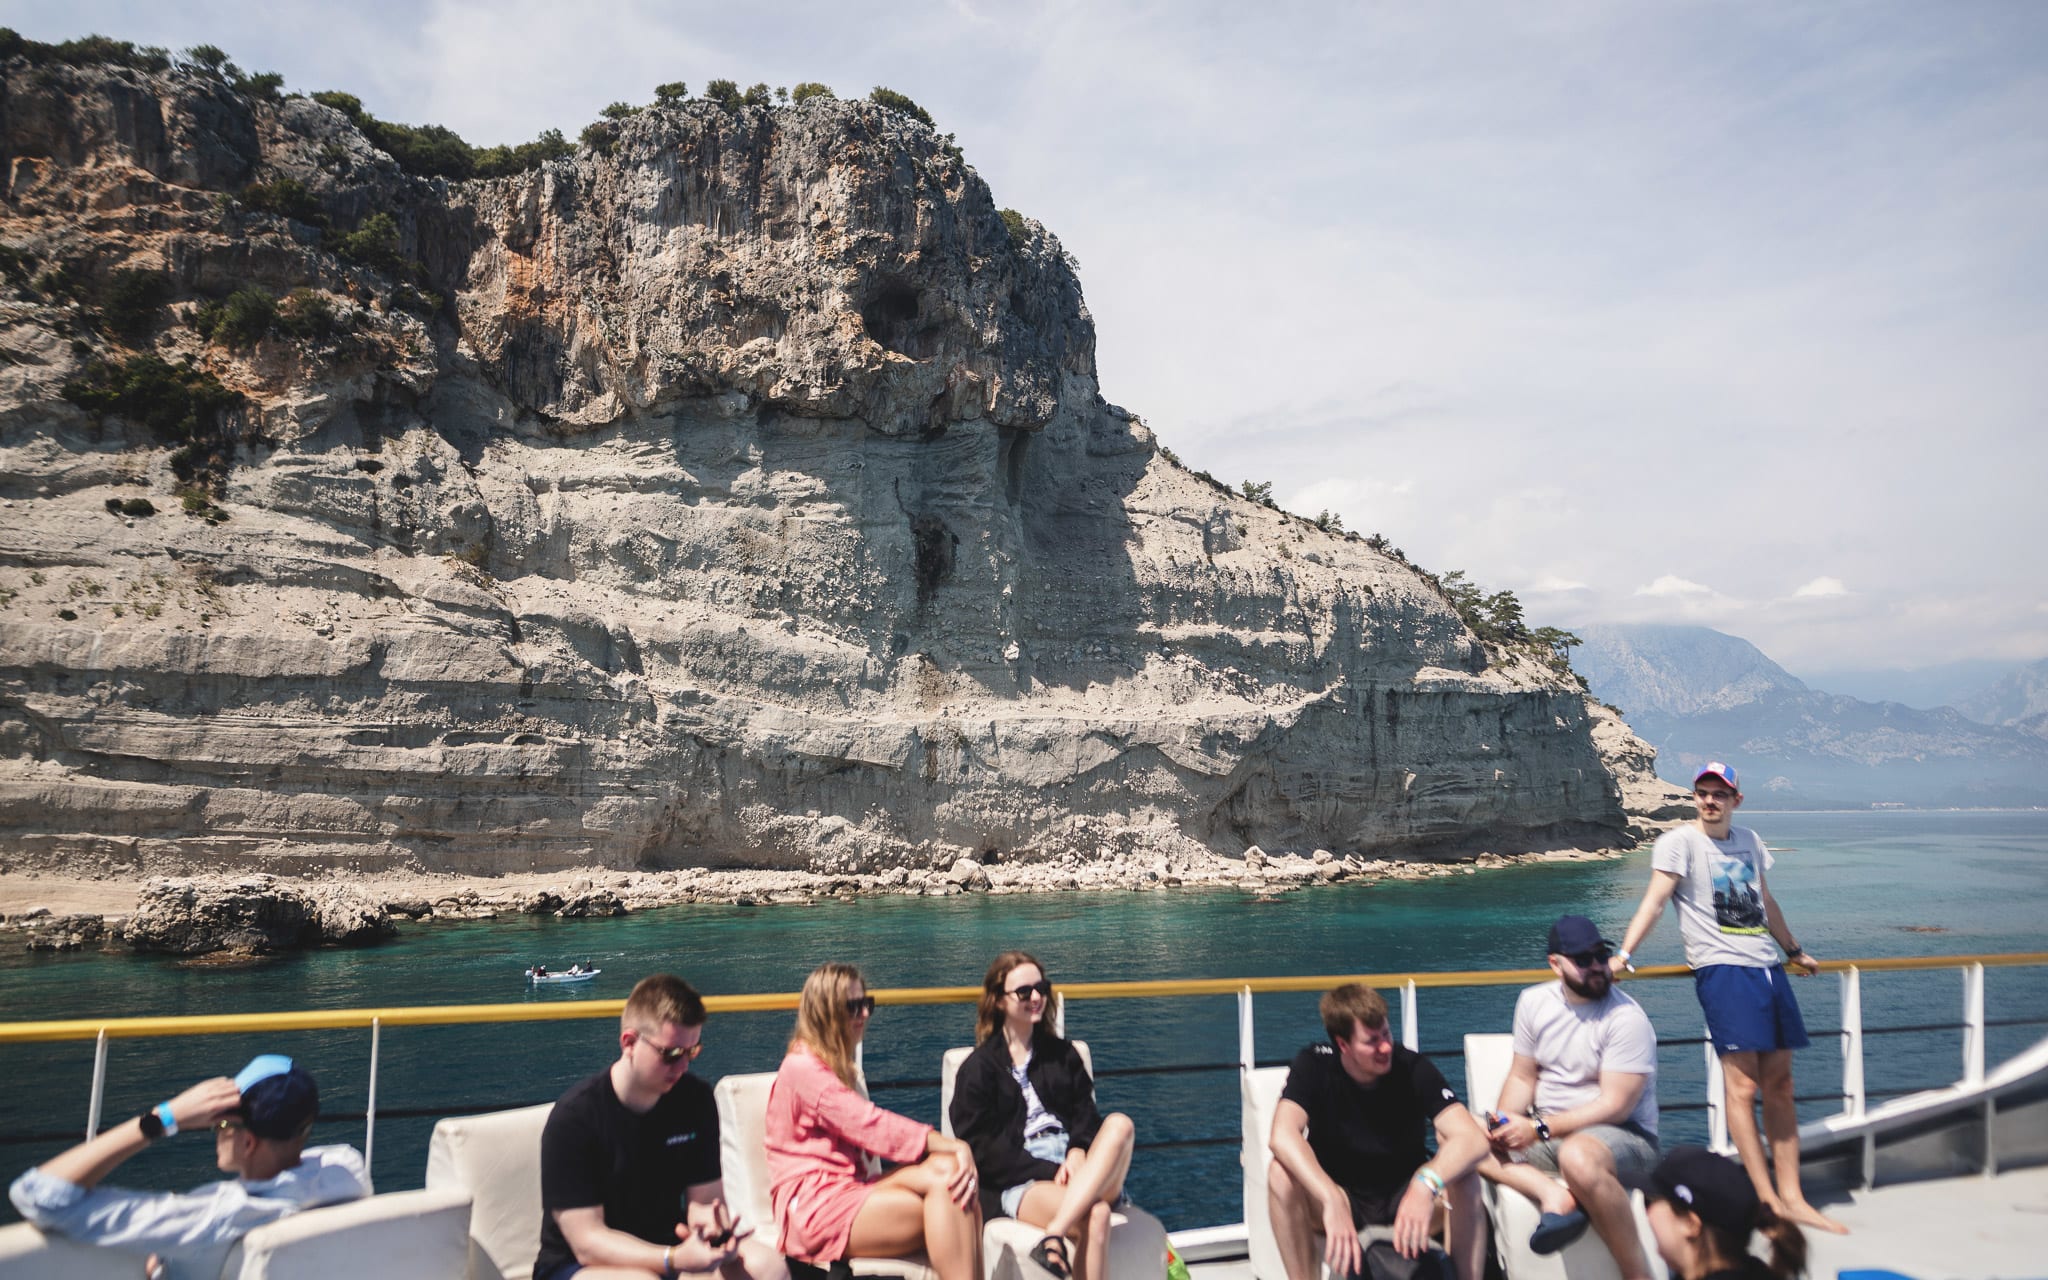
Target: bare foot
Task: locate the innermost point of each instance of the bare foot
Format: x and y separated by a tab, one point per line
1807	1216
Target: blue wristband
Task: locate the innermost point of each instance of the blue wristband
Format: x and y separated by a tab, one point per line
163	1113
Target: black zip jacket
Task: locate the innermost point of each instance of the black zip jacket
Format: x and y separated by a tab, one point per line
988	1111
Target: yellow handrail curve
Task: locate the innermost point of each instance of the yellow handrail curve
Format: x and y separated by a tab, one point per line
568	1010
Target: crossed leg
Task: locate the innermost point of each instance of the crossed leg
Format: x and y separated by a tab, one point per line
1080	1209
911	1209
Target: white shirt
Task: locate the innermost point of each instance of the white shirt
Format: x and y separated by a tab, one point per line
1719	895
192	1230
1573	1041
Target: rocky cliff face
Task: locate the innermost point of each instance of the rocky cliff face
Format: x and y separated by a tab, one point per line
741	496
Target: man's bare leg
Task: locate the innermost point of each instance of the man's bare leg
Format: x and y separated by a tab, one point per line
1589	1170
1468	1227
1781	1123
1548	1193
1295	1215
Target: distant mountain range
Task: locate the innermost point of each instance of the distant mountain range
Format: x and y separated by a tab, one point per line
1697	694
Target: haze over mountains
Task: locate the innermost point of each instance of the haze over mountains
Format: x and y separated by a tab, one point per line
1698	694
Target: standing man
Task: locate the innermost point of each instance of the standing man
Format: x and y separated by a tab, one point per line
1580	1101
628	1149
1733	929
258	1121
1366	1105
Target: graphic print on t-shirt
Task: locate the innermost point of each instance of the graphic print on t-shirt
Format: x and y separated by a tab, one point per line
1738	907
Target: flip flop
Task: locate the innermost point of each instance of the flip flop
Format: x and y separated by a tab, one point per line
1556	1230
1051	1256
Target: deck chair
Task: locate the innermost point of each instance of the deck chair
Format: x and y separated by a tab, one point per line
422	1234
743	1161
1137	1240
495	1160
28	1254
1514	1215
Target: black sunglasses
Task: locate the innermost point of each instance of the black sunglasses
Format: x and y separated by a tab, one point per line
679	1053
1588	959
1043	987
855	1008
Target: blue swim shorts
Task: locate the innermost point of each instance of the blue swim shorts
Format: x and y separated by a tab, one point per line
1749	1010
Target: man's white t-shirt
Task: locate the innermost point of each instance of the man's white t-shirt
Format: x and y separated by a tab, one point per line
1719	895
1572	1042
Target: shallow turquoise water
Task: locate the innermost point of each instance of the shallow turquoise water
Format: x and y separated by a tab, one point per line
1852	885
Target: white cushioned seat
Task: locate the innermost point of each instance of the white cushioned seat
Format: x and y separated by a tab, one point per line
495	1160
400	1236
28	1254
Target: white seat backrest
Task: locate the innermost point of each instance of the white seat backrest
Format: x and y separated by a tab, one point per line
496	1159
743	1148
28	1254
1488	1059
949	1070
402	1235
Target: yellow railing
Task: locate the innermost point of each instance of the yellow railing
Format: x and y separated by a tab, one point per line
450	1015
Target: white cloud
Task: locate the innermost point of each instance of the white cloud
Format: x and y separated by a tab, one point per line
1821	588
1673	585
1550	584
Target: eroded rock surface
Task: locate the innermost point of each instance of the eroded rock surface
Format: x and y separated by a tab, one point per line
742	497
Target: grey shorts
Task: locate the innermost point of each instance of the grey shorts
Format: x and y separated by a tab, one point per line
1634	1148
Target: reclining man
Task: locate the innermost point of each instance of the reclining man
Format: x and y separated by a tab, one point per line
1580	1101
627	1147
259	1122
1366	1104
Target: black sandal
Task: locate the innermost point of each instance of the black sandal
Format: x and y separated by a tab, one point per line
1054	1261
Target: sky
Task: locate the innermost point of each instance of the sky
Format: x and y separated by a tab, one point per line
1717	313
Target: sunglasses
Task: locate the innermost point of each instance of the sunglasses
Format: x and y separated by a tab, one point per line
677	1053
1042	987
228	1124
857	1008
1588	959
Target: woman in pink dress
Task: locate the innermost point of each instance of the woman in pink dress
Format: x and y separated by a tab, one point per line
827	1205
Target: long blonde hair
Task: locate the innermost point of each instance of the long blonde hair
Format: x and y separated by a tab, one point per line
988	1018
822	1024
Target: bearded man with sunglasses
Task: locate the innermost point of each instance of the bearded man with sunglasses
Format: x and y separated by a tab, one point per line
1579	1102
624	1150
259	1122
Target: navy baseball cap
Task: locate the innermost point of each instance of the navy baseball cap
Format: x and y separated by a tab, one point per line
1575	936
279	1098
1713	1187
1723	772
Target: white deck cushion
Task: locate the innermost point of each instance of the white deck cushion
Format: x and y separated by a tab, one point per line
495	1159
407	1235
28	1254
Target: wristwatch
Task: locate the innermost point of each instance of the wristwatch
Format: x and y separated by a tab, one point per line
1542	1129
152	1125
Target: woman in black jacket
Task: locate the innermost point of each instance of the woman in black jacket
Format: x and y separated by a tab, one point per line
1026	1105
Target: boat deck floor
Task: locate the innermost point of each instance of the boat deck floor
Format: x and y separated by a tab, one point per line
1953	1229
1969	1228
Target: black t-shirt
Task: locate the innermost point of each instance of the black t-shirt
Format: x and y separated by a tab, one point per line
1369	1139
595	1151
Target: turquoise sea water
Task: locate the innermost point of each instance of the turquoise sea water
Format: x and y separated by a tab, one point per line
1853	885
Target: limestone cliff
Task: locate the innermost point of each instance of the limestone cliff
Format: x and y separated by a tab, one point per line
738	495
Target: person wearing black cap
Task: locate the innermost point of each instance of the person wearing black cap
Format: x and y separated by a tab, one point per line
1579	1102
1713	872
259	1121
1703	1209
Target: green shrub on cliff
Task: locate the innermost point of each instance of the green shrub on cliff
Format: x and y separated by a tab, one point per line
176	402
757	95
620	111
85	51
601	136
726	93
131	301
243	319
430	151
1013	222
374	244
285	197
810	89
671	93
503	161
894	101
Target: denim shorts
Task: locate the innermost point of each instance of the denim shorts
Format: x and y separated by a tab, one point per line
1051	1145
1749	1009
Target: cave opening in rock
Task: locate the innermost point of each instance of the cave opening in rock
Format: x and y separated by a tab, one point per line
890	317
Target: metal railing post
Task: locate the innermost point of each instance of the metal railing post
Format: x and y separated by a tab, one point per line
370	1111
1973	1025
99	1085
1854	1098
1246	1059
1411	1035
1717	1097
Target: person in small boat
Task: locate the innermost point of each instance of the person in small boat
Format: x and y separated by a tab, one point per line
540	971
625	1149
1349	1152
1025	1102
259	1122
1733	929
820	1127
1579	1102
1703	1208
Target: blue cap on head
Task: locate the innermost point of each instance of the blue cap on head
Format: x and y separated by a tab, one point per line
279	1098
1715	769
1575	936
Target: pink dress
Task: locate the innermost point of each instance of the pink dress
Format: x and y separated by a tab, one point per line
816	1131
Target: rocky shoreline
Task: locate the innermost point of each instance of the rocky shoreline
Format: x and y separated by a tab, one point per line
256	915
